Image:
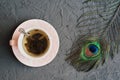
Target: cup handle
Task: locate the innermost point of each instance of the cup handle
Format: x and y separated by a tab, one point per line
12	43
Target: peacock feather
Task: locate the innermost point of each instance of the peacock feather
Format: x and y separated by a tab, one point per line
100	40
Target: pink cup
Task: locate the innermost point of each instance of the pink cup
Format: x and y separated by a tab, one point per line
22	56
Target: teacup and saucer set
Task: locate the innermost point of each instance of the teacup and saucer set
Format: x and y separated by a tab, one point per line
37	45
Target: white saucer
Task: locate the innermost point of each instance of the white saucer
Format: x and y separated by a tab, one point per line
49	56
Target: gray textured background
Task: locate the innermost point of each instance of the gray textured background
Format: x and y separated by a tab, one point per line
63	15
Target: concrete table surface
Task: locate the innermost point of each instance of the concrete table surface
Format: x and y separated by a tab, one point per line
62	14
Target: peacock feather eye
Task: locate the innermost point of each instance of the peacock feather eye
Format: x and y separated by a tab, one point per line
90	51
